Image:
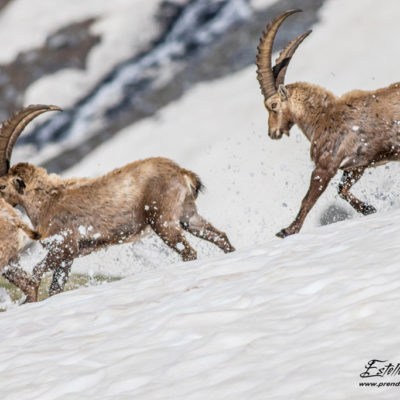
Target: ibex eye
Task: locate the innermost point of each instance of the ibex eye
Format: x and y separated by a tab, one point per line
274	105
2	187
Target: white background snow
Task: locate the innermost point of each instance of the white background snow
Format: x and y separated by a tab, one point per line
291	319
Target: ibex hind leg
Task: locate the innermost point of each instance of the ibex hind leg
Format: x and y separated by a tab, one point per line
349	178
201	228
60	278
172	234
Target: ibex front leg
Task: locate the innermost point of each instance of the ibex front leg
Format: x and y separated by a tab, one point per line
319	181
22	280
58	259
349	178
201	228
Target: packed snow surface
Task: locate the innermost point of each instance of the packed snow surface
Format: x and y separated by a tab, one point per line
292	319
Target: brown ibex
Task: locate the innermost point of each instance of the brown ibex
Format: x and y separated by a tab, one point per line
12	229
78	216
356	131
12	240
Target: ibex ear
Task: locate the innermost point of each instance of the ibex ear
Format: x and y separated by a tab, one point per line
283	93
54	193
19	185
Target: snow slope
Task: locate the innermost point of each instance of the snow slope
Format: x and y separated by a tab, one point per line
292	319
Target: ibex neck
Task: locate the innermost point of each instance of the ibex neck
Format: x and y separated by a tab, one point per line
308	104
37	206
33	212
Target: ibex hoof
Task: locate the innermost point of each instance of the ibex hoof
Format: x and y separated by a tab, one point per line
30	299
282	234
367	209
229	249
31	293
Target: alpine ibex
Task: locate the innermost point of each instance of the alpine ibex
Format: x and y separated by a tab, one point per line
78	216
12	240
356	131
12	229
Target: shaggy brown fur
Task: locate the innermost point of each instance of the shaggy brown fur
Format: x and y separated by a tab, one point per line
12	238
78	216
353	132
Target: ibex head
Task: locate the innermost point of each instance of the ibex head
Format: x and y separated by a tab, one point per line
12	185
271	79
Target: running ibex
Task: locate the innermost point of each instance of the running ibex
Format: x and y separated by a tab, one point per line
356	131
13	230
78	216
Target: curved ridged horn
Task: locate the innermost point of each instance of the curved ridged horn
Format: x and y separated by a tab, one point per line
282	62
12	128
264	69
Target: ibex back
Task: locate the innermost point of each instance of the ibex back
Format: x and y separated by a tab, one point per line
354	132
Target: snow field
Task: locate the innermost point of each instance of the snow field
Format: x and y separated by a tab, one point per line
287	319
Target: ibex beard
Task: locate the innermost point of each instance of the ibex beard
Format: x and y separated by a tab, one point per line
354	132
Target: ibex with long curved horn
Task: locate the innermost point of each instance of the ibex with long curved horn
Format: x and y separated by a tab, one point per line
78	216
12	229
356	131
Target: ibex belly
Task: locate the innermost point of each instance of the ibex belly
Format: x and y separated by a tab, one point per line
92	239
362	149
